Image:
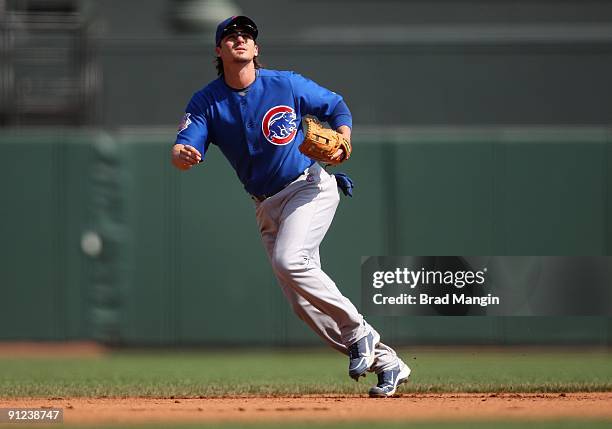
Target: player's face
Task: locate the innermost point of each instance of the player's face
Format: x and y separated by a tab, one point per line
237	47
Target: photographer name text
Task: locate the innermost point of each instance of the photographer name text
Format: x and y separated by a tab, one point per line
403	278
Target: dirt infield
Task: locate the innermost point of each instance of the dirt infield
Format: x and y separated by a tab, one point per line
44	349
413	407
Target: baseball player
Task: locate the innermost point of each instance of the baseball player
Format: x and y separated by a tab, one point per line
254	116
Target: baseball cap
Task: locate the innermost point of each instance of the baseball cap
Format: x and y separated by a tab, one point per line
233	23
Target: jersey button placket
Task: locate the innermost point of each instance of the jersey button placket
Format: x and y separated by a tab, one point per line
244	111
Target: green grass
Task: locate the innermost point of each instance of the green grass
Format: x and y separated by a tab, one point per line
294	373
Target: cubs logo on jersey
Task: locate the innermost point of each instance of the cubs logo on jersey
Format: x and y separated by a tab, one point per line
279	125
185	122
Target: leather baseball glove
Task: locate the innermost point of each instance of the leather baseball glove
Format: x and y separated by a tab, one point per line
322	143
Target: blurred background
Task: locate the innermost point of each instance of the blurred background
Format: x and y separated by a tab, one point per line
481	128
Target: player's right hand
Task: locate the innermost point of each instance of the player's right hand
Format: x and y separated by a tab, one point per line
184	156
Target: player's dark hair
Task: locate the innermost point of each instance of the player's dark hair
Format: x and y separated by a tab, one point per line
219	65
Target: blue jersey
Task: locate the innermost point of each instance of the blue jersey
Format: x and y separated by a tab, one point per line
259	129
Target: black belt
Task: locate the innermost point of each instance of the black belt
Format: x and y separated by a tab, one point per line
261	198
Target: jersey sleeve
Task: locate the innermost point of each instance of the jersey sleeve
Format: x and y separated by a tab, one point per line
193	128
341	116
318	101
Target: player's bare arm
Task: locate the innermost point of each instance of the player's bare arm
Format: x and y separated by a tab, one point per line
345	131
184	156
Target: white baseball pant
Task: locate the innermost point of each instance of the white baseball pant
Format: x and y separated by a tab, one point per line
292	224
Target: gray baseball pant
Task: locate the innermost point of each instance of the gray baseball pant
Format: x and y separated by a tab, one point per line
292	224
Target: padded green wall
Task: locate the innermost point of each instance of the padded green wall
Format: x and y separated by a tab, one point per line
44	189
184	259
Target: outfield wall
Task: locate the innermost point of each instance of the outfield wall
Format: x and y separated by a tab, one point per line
181	262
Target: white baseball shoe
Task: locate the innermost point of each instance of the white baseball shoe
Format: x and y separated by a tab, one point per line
361	355
389	380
